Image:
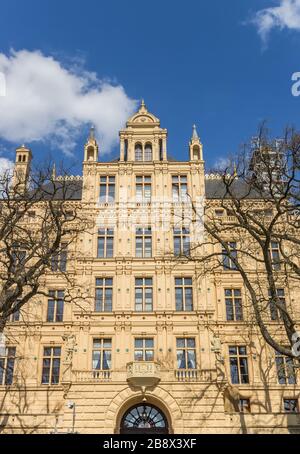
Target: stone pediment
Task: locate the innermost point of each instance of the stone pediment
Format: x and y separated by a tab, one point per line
143	118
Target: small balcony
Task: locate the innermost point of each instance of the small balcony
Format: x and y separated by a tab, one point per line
143	374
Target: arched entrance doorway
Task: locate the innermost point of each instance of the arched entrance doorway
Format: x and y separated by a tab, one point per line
144	418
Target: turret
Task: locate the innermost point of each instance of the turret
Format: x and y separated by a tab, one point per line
91	148
196	147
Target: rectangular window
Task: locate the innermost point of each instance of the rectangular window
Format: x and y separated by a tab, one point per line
55	312
105	243
15	316
274	311
143	189
18	255
238	361
186	353
7	364
104	294
143	242
181	237
291	405
102	354
219	213
233	303
59	259
184	294
244	406
144	294
228	263
275	255
143	349
285	369
179	188
51	365
107	189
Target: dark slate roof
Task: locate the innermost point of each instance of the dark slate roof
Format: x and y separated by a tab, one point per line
215	189
170	158
61	190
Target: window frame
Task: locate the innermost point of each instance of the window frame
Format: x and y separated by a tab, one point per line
7	366
186	349
227	262
232	301
182	233
284	370
144	286
274	311
238	356
108	184
143	234
105	288
184	287
275	251
143	188
59	259
106	234
144	349
182	181
293	399
101	350
52	357
57	301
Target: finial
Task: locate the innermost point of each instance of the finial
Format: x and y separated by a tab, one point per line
54	172
195	133
92	133
234	170
143	105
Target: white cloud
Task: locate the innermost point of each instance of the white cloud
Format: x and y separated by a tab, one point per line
46	101
222	163
6	166
285	15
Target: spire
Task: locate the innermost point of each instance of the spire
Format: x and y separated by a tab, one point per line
195	146
91	147
195	133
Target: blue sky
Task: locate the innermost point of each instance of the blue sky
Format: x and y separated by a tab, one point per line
200	62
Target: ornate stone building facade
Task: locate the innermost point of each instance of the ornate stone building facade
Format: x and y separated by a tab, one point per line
150	344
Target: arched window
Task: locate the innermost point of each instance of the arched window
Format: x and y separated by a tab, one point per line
90	153
144	418
196	153
138	152
148	152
